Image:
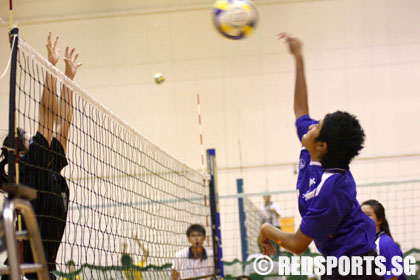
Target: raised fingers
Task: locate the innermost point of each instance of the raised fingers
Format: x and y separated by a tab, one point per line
69	55
282	35
272	248
55	42
50	44
49	39
53	51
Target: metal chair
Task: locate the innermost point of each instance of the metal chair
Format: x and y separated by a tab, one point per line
18	199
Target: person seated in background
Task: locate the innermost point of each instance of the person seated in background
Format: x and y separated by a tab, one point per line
71	268
194	261
271	214
127	261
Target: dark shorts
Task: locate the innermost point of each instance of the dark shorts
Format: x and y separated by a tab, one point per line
336	276
40	169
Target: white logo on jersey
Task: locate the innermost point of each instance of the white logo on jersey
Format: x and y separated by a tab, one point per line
311	194
308	195
312	181
302	163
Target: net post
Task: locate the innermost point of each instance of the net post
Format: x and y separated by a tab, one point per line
215	214
12	156
12	145
242	217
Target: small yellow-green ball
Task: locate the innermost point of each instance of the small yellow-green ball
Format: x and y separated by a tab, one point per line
159	78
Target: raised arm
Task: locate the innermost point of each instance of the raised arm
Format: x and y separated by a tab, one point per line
65	107
48	104
146	252
301	94
124	248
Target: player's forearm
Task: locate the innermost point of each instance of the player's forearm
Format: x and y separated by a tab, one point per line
301	95
66	104
65	115
279	236
290	241
48	107
145	251
49	96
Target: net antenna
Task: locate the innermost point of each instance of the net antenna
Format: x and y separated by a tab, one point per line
10	14
200	127
241	165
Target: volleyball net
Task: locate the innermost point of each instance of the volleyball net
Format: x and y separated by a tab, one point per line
240	231
127	197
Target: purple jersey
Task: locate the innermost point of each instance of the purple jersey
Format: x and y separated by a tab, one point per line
386	247
331	214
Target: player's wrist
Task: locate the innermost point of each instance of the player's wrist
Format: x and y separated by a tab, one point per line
298	56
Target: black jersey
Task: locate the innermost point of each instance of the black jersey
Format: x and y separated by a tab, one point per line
40	169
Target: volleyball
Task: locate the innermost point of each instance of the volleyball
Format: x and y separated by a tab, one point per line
235	19
159	78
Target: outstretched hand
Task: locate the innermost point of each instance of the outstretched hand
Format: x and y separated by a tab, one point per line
71	64
53	51
266	245
295	45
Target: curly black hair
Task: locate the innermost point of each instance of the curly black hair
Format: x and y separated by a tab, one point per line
344	137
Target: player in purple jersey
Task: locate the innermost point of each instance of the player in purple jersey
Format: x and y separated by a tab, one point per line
385	245
331	214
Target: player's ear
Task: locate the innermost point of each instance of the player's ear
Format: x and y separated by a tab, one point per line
322	147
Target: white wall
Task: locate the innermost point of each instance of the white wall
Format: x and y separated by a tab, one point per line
362	56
